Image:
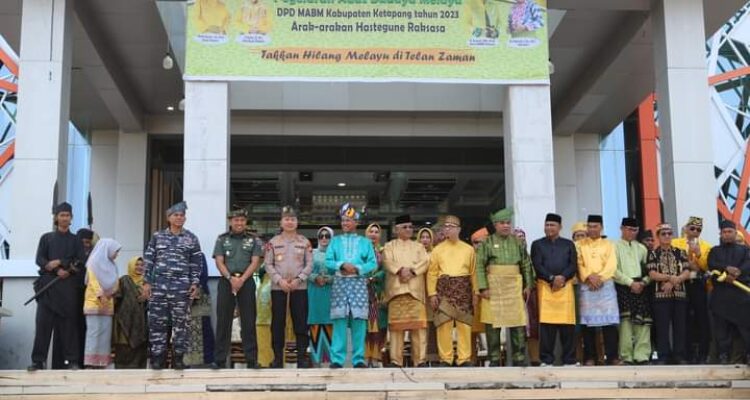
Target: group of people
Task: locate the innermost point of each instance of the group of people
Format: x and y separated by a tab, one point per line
428	296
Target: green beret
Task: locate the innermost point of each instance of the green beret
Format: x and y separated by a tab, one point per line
506	214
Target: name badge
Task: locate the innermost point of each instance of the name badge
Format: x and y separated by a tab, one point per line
497	246
280	257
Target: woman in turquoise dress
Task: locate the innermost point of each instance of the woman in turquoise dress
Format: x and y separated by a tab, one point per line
319	302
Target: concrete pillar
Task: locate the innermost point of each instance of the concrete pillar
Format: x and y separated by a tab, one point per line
104	181
566	190
206	181
130	206
683	101
529	167
588	175
43	115
40	161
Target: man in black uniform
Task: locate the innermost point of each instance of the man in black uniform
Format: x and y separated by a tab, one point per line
59	255
729	304
237	254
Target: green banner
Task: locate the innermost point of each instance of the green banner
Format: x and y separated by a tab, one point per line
479	41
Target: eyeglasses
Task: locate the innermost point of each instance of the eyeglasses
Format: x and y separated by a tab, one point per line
324	236
695	229
665	233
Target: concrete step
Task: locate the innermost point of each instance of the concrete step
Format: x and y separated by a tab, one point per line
668	382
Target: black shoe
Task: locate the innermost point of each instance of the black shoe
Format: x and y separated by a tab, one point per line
443	364
724	359
74	366
658	362
252	365
391	365
157	363
334	366
35	367
179	363
494	363
466	364
423	365
360	365
217	365
277	364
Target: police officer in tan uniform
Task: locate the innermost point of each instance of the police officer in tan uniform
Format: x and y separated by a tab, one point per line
289	262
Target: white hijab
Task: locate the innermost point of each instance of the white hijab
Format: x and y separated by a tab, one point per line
101	263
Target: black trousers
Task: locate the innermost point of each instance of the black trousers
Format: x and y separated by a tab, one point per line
611	337
670	313
298	308
65	329
225	305
548	337
698	324
723	329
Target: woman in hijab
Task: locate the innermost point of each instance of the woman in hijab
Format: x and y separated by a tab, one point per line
319	301
130	329
201	348
377	323
98	306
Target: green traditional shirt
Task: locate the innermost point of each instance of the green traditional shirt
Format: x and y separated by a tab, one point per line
503	251
238	250
631	262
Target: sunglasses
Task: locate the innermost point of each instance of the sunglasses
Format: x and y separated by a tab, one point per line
324	236
665	233
695	229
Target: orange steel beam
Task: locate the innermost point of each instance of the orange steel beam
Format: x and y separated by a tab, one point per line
742	189
8	86
647	135
9	63
7	154
713	80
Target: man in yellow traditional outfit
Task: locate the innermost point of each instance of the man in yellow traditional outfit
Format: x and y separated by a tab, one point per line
452	288
406	262
597	263
555	260
211	16
699	325
504	274
253	17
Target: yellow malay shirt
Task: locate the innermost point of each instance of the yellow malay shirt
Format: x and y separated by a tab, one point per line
452	259
408	254
681	243
596	256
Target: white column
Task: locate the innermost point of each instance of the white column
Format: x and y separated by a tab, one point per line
588	175
130	206
529	167
206	181
683	97
43	115
103	182
566	191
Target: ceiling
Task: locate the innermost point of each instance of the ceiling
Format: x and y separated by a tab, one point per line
601	50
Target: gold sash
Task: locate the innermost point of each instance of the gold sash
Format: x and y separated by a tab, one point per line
505	307
556	307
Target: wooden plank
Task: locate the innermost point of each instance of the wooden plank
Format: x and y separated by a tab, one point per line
433	395
322	376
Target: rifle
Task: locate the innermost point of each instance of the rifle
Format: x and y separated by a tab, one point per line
72	268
